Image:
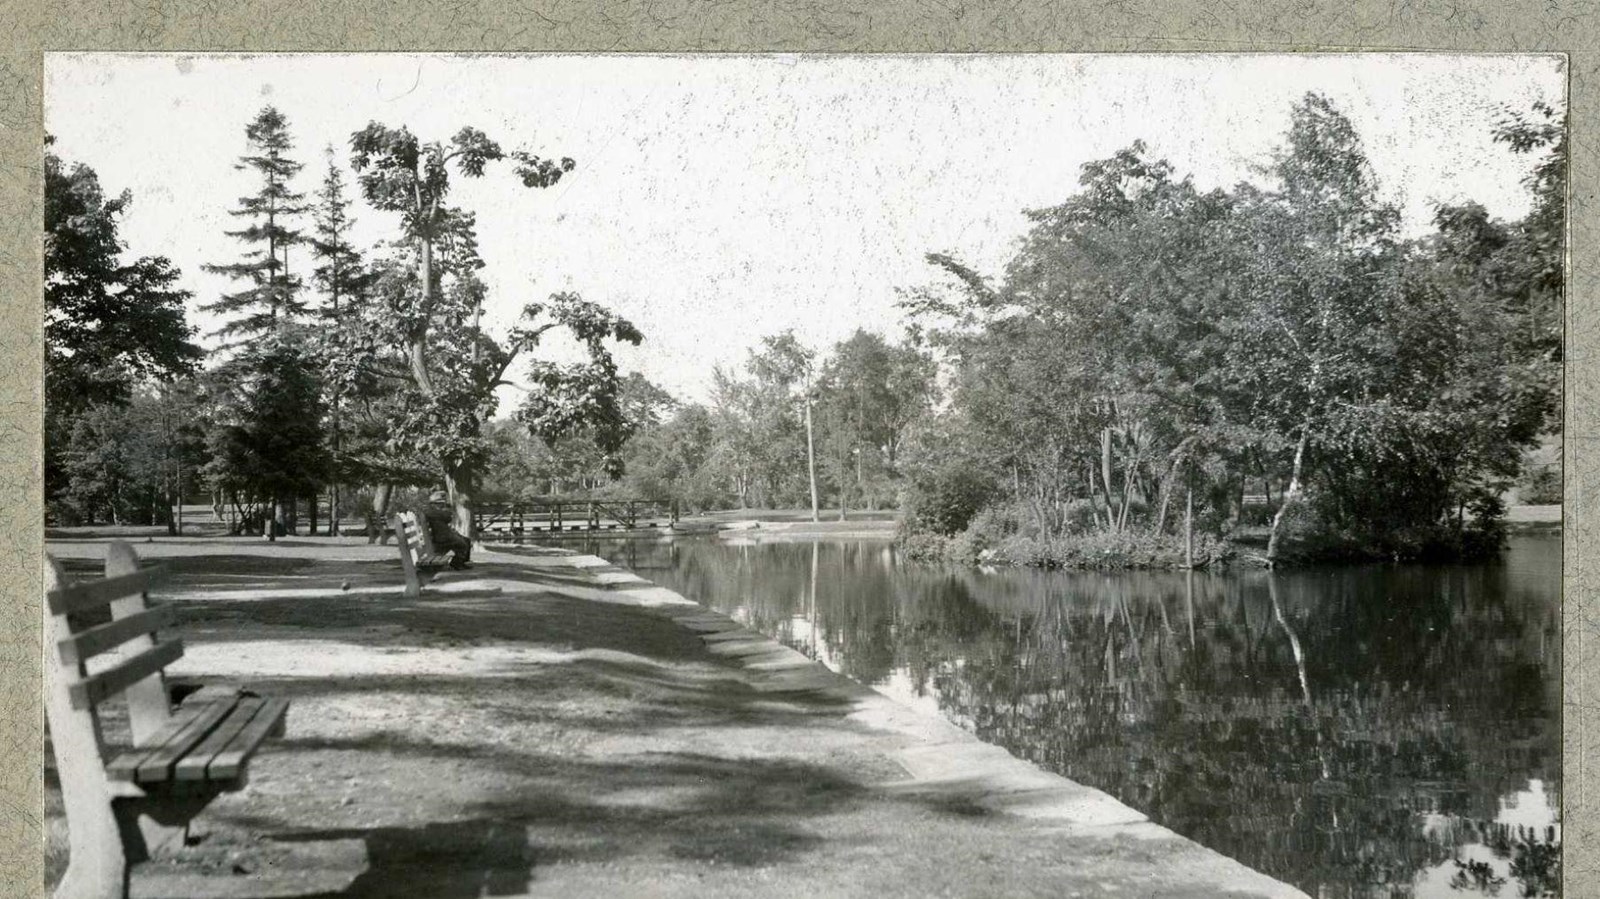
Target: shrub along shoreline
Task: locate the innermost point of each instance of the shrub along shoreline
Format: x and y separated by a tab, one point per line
1109	551
1000	537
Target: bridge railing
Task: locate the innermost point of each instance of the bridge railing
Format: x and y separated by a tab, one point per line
560	515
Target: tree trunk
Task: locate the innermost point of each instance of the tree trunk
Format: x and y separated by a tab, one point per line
1188	529
1167	482
1093	512
458	481
1105	478
1127	494
1105	472
334	509
378	512
1290	496
418	345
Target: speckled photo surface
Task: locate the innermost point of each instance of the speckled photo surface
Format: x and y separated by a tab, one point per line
1557	40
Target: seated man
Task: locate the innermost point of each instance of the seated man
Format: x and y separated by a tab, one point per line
440	517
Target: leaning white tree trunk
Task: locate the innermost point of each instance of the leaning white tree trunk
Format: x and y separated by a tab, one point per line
1290	496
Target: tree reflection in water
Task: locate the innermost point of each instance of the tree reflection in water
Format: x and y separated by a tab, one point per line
1355	731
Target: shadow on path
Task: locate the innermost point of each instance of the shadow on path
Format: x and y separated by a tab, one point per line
446	860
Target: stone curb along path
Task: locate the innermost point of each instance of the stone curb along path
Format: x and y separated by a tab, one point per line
939	758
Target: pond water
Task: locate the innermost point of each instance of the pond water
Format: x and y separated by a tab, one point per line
1356	731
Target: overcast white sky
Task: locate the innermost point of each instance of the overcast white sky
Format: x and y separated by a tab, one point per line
719	199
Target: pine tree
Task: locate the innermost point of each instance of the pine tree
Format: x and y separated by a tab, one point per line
274	345
272	298
340	273
343	278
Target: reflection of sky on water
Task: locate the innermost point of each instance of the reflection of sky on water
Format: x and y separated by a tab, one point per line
898	685
1532	809
1354	731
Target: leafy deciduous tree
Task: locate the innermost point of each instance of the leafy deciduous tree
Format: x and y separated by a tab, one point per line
432	321
109	325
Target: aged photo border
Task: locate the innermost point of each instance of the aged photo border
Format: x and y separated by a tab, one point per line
679	26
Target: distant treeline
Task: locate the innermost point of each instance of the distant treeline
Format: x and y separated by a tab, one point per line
748	446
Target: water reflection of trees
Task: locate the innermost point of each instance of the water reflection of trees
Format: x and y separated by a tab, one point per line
1306	723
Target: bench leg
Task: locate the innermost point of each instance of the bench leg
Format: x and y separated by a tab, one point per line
147	826
101	862
95	870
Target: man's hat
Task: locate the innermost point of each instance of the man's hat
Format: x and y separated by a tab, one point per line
438	496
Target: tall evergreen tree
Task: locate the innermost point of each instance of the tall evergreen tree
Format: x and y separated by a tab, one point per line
268	329
339	273
272	297
342	278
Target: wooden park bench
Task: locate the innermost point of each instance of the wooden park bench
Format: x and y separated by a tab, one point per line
121	808
417	552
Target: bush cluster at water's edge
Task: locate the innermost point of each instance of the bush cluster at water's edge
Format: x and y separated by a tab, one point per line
1004	534
1102	550
1311	537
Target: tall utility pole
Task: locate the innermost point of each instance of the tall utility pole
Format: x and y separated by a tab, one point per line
811	455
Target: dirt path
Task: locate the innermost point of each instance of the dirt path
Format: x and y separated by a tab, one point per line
584	733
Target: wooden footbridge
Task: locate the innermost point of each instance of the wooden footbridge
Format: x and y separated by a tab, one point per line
530	517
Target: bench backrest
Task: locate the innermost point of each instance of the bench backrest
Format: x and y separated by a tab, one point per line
413	535
74	691
416	547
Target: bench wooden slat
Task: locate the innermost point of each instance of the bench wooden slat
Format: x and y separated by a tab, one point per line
125	767
90	642
93	594
157	766
193	764
93	689
231	760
